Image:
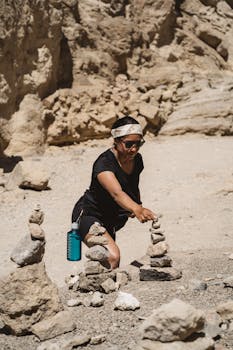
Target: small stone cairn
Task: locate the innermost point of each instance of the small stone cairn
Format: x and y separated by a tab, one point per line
97	275
159	267
31	247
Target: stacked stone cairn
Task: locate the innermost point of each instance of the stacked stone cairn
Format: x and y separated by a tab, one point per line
97	274
159	267
31	247
30	302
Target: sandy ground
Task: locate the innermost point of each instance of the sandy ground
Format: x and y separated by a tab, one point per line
188	179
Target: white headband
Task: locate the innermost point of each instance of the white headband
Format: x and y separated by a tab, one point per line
126	130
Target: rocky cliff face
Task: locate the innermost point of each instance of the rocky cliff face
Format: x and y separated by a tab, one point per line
69	68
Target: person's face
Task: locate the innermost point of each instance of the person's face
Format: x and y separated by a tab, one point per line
129	145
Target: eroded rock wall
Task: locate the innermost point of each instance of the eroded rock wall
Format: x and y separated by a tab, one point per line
167	63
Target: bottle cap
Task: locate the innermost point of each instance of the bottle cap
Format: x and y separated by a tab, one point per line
74	226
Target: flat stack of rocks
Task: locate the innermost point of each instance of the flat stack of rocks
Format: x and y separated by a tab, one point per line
97	274
175	326
159	267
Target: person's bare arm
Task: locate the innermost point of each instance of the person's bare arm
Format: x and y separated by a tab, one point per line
108	180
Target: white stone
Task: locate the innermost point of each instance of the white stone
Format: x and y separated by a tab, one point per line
126	301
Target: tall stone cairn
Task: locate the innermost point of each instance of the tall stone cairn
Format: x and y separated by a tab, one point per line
160	264
97	274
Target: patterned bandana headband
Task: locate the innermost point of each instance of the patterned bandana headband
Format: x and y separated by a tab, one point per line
126	130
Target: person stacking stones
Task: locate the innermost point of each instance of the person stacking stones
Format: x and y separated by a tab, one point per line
113	195
159	267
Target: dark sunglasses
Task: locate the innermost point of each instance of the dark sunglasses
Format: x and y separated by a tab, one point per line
130	144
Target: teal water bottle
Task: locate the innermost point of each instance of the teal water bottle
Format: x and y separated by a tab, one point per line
74	243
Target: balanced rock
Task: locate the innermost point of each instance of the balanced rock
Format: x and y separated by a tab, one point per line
96	240
148	273
181	320
97	229
37	215
163	261
27	296
156	250
36	231
53	326
157	237
28	251
108	286
93	267
98	253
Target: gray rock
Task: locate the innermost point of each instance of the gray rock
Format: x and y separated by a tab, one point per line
27	296
97	299
93	267
37	216
28	251
125	302
71	281
163	261
74	302
76	341
108	286
201	343
157	237
53	326
97	240
228	282
93	282
122	278
49	346
98	339
97	253
155	225
181	320
157	250
197	285
96	229
225	310
36	231
148	273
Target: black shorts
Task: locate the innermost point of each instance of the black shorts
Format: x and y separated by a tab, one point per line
86	221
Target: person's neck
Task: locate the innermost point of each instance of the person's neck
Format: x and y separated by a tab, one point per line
122	160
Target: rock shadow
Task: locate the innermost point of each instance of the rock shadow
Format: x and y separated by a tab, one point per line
8	163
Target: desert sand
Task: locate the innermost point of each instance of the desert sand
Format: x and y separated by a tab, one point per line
189	179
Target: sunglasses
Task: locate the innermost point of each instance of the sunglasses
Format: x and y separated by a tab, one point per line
130	144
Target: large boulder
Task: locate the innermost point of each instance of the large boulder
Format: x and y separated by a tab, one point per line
28	175
27	296
173	321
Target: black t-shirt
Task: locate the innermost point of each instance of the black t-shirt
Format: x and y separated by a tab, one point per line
98	202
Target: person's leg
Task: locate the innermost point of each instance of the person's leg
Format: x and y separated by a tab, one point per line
114	251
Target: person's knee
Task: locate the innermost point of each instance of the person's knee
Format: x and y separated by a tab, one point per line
114	259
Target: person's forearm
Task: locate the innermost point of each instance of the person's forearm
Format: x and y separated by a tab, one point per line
124	201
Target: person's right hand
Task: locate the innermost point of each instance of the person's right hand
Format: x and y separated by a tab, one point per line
144	214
